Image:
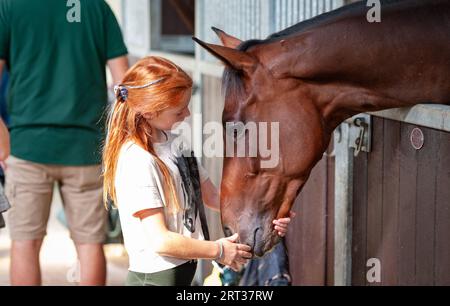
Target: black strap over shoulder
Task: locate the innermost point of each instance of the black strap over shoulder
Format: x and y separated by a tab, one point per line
188	167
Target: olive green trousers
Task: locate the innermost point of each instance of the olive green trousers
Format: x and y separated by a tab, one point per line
178	276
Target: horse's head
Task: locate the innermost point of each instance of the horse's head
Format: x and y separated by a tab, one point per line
258	188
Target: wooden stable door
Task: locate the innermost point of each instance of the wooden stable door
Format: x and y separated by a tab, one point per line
401	206
310	239
400	212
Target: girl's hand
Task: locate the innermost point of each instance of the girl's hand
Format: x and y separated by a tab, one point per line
282	224
234	255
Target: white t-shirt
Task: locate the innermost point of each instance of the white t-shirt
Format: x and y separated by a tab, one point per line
139	186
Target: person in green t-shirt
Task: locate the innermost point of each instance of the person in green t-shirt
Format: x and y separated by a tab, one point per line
56	52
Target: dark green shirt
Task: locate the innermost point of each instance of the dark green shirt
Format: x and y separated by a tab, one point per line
57	92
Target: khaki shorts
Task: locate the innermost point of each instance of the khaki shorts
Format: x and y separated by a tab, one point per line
29	188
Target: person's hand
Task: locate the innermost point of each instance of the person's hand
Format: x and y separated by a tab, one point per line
282	224
234	255
3	165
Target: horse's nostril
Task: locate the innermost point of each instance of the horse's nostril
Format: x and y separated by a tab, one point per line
227	231
257	236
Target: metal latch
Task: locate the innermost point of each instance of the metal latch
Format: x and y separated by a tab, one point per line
360	133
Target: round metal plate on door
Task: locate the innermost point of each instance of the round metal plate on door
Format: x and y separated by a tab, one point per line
417	138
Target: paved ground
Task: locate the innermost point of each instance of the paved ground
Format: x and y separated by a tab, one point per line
58	256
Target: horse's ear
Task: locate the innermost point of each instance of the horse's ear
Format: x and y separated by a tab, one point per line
239	60
226	39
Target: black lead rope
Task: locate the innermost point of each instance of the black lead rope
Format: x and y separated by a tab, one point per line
188	168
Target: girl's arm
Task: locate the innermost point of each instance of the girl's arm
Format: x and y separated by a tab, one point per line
211	199
168	243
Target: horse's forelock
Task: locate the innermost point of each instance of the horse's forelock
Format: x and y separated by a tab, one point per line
232	86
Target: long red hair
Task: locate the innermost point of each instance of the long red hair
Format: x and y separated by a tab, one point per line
126	123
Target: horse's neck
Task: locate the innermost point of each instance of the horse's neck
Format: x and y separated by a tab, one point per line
354	66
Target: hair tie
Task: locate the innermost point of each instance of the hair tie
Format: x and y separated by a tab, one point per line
121	91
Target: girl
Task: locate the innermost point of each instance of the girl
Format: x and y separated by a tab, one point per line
142	177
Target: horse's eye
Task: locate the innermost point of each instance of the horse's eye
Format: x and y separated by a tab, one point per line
235	130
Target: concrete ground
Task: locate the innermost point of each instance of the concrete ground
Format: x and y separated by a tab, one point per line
58	255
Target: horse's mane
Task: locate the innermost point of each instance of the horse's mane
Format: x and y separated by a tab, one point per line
231	81
359	8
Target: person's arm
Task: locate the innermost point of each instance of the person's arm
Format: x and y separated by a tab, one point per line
4	134
118	67
211	199
171	244
4	141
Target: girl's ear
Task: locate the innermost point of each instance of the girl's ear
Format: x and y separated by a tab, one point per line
149	116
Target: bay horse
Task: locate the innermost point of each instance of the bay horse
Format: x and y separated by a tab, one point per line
310	78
